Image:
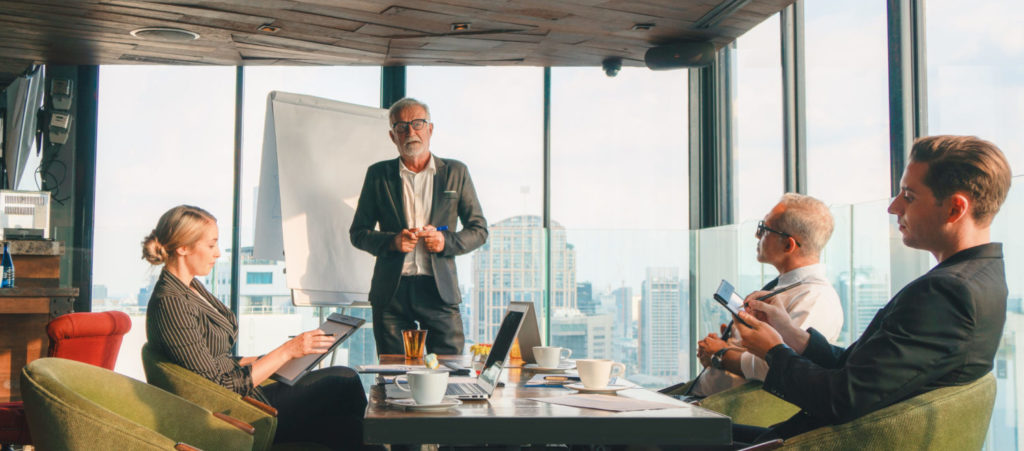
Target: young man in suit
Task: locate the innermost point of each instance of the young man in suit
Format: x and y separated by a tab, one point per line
406	217
941	329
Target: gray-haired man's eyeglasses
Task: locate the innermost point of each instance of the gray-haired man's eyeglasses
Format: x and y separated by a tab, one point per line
415	124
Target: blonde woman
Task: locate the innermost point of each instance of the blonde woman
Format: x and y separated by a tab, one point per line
196	331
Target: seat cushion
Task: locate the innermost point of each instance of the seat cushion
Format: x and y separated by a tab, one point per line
13	426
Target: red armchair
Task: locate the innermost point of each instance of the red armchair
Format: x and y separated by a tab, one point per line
93	338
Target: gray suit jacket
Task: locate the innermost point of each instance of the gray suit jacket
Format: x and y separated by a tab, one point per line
380	203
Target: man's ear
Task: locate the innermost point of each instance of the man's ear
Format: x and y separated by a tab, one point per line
391	133
959	204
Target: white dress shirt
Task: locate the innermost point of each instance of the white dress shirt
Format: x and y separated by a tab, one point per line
813	304
417	200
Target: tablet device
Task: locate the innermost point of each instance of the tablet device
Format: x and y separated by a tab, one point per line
726	295
342	326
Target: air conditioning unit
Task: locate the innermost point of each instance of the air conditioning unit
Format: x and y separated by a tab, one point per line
24	214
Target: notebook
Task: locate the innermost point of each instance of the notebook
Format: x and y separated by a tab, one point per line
483	386
342	326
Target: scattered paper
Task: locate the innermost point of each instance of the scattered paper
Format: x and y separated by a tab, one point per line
606	402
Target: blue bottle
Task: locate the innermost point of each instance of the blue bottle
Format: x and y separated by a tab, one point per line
8	266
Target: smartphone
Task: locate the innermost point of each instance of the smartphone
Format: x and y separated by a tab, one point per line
726	295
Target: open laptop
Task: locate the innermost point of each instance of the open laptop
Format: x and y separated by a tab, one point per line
483	386
529	333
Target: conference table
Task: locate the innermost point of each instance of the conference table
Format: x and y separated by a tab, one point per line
510	417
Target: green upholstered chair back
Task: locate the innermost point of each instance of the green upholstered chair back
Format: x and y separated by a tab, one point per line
749	404
949	418
76	406
161	372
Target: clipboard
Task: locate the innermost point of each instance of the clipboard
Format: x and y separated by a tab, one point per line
342	326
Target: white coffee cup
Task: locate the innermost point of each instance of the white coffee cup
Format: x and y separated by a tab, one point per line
550	356
595	373
427	386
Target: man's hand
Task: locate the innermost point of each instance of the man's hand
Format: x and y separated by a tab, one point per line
768	310
405	241
433	239
708	347
760	337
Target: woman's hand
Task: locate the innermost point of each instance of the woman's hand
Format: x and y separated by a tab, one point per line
311	342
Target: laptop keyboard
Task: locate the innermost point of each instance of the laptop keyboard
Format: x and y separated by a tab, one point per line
464	389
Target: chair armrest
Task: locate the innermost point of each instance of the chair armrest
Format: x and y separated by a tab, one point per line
241	425
766	446
185	447
259	405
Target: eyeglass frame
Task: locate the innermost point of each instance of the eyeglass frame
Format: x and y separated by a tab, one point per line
408	125
761	228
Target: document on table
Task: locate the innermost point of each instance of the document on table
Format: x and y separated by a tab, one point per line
606	402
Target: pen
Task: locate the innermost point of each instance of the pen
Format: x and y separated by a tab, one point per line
442	228
780	290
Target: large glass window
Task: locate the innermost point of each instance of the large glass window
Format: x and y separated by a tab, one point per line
491	119
976	87
164	138
266	314
847	112
758	120
620	219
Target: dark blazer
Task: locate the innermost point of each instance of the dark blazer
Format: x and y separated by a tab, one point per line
380	203
942	329
197	332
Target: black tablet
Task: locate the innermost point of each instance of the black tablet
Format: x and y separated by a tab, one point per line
726	295
342	326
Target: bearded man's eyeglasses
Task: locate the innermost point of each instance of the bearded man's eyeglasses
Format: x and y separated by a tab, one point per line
415	124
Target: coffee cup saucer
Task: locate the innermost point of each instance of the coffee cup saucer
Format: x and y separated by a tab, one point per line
610	388
563	366
410	404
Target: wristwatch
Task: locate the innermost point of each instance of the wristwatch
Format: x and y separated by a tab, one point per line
716	358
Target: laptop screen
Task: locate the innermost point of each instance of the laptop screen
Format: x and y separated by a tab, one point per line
502	345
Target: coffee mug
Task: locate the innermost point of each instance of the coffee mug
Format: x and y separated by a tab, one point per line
595	373
550	356
427	386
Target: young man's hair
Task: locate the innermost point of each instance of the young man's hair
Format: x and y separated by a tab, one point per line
965	164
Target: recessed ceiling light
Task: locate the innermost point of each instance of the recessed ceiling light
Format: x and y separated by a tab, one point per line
643	26
460	26
165	34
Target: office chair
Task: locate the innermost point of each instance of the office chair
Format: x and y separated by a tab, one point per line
93	338
749	404
75	406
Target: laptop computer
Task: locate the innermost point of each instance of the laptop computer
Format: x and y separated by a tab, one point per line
529	333
483	386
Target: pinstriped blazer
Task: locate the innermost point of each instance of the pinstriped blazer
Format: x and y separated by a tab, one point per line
196	331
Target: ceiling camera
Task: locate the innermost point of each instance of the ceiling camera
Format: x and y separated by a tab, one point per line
611	66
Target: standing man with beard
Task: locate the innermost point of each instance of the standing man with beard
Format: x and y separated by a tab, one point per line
406	217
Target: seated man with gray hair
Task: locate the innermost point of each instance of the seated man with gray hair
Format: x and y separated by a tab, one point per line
790	238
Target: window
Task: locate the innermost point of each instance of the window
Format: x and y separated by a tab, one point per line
259	278
619	197
156	150
847	101
490	118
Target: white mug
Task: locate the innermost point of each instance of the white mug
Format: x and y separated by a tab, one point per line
550	356
595	373
427	386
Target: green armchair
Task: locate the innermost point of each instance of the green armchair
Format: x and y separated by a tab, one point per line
949	418
76	406
749	404
161	372
210	395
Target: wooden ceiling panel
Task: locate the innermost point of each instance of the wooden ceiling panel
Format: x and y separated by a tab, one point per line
359	32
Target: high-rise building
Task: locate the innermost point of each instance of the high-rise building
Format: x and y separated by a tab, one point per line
660	340
589	336
624	312
585	298
510	267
